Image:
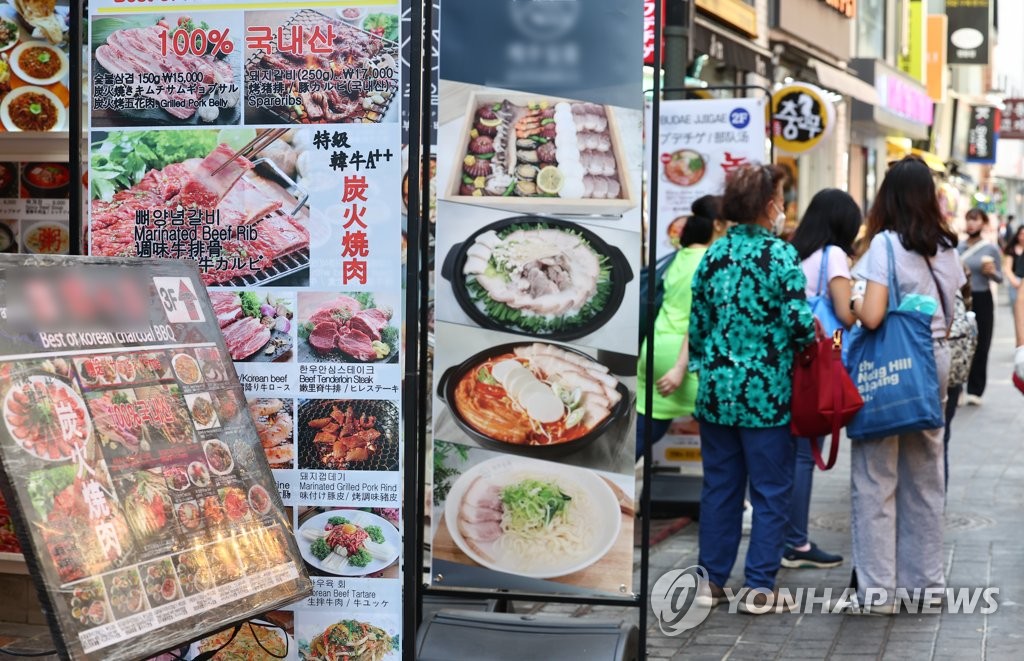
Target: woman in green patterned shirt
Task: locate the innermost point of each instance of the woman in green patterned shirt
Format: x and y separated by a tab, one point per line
749	317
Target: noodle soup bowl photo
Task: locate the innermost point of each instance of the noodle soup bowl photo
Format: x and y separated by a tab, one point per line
535	399
532	518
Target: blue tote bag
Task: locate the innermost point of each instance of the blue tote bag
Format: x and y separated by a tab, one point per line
821	305
894	370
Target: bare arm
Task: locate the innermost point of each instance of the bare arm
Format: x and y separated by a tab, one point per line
839	291
673	378
1008	269
872	308
1018	315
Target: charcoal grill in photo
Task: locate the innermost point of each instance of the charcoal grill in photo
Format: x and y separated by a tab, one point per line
321	419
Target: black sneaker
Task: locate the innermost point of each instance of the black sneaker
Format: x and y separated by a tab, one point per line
813	558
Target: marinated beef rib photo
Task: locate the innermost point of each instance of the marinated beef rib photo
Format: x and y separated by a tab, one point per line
271	233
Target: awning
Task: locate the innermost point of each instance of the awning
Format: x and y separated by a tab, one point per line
933	161
897	148
846	83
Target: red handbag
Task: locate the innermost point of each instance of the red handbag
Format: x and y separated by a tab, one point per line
824	396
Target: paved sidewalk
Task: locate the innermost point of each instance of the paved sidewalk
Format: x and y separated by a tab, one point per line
984	536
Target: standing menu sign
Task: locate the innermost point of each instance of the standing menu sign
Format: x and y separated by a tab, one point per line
262	140
700	144
538	243
143	504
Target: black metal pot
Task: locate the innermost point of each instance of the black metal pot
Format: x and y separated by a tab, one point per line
451	377
621	273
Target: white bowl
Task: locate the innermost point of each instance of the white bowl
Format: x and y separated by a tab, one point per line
5	107
16	67
604	512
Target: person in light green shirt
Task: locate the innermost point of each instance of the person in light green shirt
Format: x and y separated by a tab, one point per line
675	388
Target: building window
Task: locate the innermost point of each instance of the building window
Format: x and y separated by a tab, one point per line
871	29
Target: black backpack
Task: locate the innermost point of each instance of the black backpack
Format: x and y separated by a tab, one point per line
660	267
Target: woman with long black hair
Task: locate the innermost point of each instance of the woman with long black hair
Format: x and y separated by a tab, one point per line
897	483
824	242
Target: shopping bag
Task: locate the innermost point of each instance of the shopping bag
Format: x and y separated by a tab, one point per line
824	397
894	370
821	304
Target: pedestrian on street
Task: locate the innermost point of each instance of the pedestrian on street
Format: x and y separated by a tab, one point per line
824	242
676	386
897	482
985	263
749	317
1013	263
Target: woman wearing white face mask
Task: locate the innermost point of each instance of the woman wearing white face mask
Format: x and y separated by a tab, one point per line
748	318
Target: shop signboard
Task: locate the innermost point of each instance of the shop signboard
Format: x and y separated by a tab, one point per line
538	248
936	72
269	150
1011	126
145	508
649	15
983	134
912	61
700	143
969	23
802	117
35	68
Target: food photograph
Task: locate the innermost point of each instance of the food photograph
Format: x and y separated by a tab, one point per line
257	325
368	45
199	55
244	177
356	635
61	511
204	414
536	153
269	636
358	327
274	420
346	542
348	434
538	276
126	592
527	520
34	65
534	399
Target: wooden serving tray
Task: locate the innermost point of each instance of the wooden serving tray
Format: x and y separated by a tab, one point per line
550	205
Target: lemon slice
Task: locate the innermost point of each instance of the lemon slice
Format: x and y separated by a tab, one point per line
490	122
550	180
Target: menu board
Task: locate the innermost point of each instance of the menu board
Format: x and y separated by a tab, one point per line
700	143
538	246
269	150
146	510
34	208
34	65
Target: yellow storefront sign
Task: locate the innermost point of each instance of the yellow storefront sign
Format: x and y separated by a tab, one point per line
802	117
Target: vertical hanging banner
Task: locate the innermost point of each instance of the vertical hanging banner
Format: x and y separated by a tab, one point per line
700	143
263	140
983	135
122	436
538	244
1012	124
969	27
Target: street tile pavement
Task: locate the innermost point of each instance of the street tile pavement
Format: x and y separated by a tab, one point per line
983	541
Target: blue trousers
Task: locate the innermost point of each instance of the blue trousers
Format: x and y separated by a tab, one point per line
731	456
803	479
658	430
